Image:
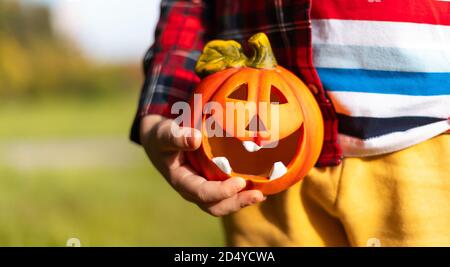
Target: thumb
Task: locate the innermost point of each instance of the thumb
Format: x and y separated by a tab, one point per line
171	137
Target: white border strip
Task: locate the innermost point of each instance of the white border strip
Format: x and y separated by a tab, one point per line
384	106
355	147
381	58
380	34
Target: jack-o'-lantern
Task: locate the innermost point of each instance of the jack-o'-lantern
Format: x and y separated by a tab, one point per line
272	136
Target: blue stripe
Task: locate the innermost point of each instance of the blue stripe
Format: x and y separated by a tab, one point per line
366	127
385	82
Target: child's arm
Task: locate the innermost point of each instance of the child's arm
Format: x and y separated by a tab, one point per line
170	77
165	143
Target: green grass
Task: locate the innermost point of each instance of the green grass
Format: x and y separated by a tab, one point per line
106	205
100	207
69	117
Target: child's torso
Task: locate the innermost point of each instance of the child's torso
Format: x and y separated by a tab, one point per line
384	64
386	67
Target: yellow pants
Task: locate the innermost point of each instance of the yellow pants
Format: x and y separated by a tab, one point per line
398	199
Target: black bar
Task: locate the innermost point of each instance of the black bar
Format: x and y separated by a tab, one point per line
195	256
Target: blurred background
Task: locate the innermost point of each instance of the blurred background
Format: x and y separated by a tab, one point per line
70	75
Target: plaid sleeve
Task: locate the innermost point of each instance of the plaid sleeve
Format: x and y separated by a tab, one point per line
169	63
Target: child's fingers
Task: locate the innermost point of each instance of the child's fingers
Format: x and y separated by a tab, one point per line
171	137
185	181
199	190
234	203
213	191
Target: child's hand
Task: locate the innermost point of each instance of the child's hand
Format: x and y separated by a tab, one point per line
165	146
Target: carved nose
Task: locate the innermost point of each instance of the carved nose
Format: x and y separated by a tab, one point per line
256	125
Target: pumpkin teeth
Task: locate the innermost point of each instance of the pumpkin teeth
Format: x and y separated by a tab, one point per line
223	164
278	170
251	146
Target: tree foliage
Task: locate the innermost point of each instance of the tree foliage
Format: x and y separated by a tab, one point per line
35	61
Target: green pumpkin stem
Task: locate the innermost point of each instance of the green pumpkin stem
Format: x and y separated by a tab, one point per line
218	55
263	57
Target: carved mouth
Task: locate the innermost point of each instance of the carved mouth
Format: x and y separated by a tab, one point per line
247	159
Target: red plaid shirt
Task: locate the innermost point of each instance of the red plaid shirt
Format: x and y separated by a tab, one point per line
185	26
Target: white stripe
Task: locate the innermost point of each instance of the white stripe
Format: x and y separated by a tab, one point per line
384	106
381	33
381	58
355	147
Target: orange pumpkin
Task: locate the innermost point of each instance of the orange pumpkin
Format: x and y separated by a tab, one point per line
281	149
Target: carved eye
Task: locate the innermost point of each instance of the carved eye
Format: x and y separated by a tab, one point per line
240	93
276	96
